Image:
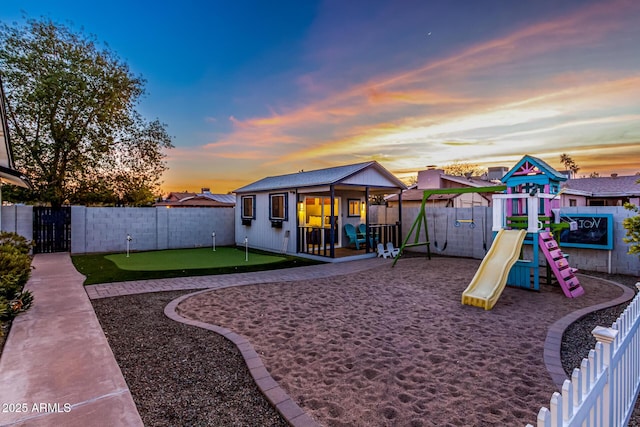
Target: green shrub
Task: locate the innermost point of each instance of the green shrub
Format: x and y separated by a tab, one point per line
19	242
20	302
15	270
632	225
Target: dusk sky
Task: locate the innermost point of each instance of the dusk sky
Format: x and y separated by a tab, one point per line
250	89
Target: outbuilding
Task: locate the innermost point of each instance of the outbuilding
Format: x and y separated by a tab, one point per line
313	213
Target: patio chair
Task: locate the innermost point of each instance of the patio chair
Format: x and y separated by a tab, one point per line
382	252
362	229
353	235
392	250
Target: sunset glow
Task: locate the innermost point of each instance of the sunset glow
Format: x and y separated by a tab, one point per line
406	83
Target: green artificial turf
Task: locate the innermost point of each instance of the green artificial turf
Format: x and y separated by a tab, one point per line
177	259
105	268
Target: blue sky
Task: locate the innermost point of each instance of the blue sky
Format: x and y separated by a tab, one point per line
254	88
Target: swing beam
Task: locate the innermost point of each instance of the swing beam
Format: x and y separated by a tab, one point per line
421	219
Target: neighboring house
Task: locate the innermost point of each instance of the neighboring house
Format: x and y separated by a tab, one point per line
306	212
431	179
8	173
206	199
601	191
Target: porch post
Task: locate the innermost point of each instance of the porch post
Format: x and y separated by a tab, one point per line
332	222
399	220
298	231
367	244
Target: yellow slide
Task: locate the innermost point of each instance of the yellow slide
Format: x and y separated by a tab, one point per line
490	279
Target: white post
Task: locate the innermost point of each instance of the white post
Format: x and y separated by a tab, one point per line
607	336
128	240
532	207
213	237
498	214
246	248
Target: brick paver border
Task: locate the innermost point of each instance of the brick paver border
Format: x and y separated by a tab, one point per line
107	290
279	398
267	385
553	342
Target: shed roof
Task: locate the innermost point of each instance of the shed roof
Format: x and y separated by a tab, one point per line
319	177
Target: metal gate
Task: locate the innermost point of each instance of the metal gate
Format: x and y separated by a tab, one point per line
51	229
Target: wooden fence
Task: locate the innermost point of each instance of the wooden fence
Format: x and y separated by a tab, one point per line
603	391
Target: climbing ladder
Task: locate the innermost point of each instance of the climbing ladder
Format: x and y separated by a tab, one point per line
559	265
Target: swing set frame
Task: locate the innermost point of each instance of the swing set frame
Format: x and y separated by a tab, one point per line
421	219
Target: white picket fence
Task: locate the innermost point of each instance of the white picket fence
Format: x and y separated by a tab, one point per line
603	391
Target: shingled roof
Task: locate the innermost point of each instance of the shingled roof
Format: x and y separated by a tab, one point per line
317	177
605	186
206	199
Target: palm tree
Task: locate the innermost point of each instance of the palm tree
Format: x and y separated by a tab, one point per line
569	164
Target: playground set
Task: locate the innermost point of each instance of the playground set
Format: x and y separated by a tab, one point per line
526	214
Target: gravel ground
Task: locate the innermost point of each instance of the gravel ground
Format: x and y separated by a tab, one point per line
181	375
577	339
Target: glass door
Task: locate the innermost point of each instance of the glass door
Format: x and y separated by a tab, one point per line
318	214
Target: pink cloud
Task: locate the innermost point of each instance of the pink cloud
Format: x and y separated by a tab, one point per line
465	90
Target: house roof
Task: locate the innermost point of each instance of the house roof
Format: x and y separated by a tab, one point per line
604	186
179	195
8	174
415	194
192	199
469	182
319	177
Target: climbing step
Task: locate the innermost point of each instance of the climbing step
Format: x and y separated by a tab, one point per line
569	283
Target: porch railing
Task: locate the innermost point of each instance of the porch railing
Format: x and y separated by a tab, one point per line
315	240
383	233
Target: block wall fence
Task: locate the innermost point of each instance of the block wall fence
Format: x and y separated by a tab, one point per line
96	230
106	229
465	241
17	219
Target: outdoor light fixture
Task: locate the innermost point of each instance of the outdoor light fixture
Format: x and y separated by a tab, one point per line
246	248
213	237
128	242
301	213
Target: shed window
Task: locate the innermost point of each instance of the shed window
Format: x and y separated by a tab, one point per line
278	206
354	207
248	207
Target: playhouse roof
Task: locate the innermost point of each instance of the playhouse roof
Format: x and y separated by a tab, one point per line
529	165
320	177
